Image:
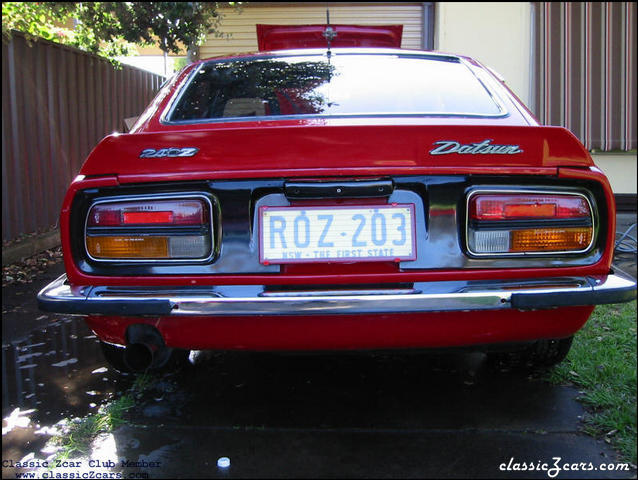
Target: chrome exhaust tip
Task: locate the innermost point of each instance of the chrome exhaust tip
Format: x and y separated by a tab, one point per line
145	349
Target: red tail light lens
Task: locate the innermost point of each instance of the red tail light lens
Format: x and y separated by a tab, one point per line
150	228
528	223
517	207
147	217
158	212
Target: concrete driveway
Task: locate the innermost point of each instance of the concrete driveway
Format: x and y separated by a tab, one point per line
375	415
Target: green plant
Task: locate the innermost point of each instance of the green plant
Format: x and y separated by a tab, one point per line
81	432
111	29
602	362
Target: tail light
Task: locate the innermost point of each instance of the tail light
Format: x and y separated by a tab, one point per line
528	223
148	229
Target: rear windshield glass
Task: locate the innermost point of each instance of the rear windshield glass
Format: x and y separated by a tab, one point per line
341	85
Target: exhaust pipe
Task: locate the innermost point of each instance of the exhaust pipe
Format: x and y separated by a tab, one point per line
139	356
145	348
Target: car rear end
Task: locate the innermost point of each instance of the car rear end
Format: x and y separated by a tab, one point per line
349	199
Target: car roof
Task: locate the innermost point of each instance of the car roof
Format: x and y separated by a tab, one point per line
336	51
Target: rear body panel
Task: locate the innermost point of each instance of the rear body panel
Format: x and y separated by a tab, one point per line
326	150
440	214
351	332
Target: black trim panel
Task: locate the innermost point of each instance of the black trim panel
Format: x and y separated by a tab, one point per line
441	236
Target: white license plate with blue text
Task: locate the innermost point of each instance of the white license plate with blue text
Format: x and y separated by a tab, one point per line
337	233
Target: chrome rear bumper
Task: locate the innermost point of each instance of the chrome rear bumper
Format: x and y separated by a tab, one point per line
232	300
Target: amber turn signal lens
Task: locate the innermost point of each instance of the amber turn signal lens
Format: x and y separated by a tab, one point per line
550	239
127	247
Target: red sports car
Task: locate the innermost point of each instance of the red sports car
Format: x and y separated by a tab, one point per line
336	199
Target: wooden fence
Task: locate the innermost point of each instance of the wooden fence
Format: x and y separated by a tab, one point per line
57	103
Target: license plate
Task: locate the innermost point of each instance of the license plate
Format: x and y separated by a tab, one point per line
336	234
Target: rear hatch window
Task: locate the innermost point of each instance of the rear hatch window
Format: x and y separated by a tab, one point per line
342	85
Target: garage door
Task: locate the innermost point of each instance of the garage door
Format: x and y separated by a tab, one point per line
244	38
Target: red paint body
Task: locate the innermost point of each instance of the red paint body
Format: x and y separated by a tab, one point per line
339	147
350	332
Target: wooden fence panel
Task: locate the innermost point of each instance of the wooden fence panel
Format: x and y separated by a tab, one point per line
57	103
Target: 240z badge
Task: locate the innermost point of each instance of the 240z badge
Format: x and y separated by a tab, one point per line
169	152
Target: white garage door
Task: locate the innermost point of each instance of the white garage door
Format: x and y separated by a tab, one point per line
244	38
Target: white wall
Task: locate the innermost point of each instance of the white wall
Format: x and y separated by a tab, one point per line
496	34
152	63
621	170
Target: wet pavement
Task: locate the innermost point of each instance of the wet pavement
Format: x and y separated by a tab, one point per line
347	415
